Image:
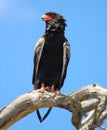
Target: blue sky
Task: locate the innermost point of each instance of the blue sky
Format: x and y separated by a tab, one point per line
21	26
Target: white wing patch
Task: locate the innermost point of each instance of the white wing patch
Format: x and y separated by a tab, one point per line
66	57
38	52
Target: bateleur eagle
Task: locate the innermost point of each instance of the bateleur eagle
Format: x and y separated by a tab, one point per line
51	56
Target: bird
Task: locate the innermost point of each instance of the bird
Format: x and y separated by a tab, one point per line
51	56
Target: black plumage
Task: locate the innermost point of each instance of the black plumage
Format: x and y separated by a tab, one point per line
51	54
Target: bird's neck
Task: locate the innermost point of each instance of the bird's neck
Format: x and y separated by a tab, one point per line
54	27
53	30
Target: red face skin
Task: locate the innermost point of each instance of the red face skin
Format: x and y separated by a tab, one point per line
47	17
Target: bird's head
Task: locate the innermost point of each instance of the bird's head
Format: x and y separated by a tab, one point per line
54	21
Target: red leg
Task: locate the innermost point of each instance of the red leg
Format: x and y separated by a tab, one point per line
42	86
53	88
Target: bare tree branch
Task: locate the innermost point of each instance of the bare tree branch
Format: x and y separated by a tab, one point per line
88	102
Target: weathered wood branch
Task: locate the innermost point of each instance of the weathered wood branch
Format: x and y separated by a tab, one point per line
91	99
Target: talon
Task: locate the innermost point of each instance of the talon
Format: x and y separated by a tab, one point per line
47	88
43	87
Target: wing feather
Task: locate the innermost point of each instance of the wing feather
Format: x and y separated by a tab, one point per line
37	55
66	57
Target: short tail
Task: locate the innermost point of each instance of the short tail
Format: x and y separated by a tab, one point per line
41	119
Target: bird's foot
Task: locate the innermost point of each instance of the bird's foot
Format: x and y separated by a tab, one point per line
43	87
50	89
